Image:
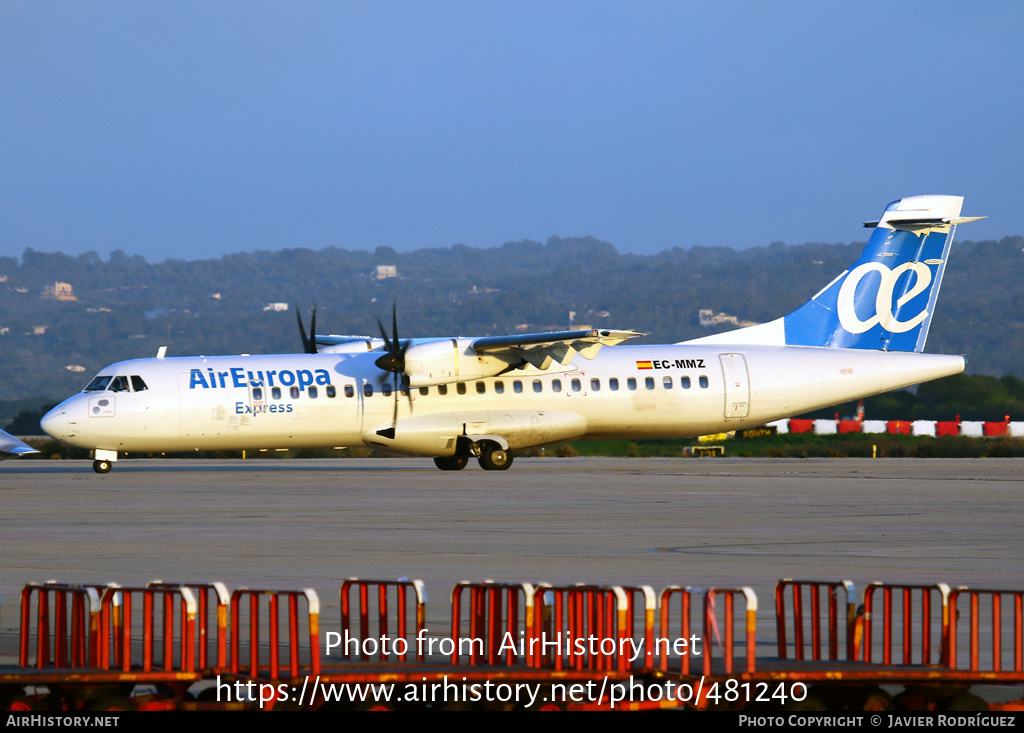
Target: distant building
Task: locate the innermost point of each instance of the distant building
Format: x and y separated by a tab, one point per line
386	271
275	307
59	291
38	330
75	368
709	318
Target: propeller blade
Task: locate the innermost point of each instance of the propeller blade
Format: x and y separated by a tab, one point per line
308	342
394	415
393	359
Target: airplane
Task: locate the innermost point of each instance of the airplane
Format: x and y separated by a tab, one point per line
11	446
456	398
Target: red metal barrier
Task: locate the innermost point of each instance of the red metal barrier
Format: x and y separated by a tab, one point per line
378	641
844	618
69	638
899	427
499	617
116	637
219	607
292	645
586	627
999	621
850	426
931	619
710	630
801	426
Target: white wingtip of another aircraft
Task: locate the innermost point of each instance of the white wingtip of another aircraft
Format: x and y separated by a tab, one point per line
11	446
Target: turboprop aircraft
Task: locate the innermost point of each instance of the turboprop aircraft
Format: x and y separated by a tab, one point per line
453	398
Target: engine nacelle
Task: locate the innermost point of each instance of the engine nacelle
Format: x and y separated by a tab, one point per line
451	360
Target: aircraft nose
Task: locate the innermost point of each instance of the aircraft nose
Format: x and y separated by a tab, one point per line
55	422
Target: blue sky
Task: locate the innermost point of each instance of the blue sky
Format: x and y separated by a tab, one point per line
194	129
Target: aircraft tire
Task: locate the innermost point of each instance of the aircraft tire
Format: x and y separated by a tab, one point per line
495	458
451	463
102	466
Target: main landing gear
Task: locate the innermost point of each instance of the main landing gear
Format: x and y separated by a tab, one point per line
101	466
494	458
451	463
490	456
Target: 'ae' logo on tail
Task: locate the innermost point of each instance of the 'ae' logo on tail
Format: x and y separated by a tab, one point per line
884	305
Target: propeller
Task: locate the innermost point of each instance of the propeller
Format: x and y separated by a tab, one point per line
393	360
308	342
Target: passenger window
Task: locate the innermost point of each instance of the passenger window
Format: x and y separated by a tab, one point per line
481	388
631	383
424	391
350	391
613	384
257	393
368	389
137	384
703	382
537	386
442	389
98	384
460	388
294	392
595	384
331	392
556	385
120	384
499	387
517	386
312	393
275	392
649	382
576	385
386	390
684	382
667	381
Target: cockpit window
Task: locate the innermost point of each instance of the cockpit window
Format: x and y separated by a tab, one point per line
120	384
137	384
98	384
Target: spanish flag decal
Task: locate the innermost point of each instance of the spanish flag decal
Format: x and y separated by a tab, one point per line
644	365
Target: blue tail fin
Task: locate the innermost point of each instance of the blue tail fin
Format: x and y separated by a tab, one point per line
887	299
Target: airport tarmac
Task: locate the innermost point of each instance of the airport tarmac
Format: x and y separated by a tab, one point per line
657	521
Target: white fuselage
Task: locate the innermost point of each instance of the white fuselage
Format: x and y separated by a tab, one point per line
330	400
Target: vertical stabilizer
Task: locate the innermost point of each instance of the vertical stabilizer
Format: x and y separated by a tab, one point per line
886	300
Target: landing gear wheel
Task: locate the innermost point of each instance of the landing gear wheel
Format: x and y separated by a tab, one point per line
451	463
101	466
495	458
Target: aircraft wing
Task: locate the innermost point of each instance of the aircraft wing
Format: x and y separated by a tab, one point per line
11	446
540	349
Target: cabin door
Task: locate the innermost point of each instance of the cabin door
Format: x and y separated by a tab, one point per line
737	386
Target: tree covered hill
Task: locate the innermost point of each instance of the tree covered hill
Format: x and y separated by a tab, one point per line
127	308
